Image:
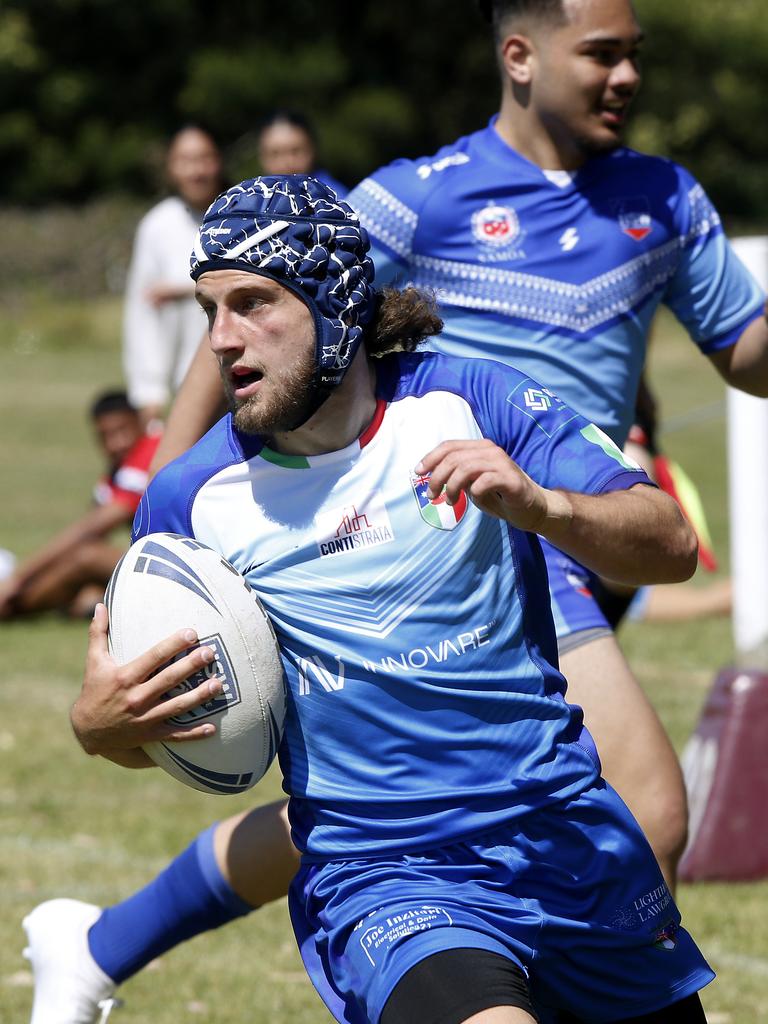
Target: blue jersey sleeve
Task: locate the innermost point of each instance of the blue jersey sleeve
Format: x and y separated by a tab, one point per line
389	221
712	293
551	442
389	203
556	446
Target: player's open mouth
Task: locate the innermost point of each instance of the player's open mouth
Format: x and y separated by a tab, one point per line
245	381
614	115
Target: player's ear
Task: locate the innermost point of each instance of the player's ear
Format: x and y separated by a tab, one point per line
517	52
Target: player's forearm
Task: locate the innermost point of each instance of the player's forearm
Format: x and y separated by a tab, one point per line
128	758
195	408
633	537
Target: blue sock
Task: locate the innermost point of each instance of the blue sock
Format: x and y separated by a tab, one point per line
189	897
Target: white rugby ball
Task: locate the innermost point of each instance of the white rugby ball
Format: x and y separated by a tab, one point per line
166	582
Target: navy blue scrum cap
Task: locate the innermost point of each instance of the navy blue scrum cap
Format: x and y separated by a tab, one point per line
295	230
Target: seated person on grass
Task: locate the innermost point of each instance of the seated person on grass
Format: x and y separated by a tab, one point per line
71	570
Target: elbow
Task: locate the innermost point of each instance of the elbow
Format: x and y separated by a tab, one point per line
683	554
690	557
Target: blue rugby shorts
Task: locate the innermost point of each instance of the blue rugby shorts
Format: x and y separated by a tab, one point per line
571	892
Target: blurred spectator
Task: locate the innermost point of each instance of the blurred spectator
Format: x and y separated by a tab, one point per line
287	145
71	570
162	323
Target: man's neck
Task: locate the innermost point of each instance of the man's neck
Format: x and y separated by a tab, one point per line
528	137
340	419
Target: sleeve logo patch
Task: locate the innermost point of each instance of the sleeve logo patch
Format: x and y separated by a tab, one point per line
596	436
548	412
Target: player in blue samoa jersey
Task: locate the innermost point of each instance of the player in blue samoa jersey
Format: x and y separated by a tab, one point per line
558	273
462	859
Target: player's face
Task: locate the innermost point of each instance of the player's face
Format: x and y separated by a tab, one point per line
264	339
117	432
585	75
194	168
286	149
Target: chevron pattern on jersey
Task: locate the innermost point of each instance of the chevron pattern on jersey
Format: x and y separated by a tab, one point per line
367	609
537	299
577	308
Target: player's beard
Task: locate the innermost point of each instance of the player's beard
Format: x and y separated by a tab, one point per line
286	407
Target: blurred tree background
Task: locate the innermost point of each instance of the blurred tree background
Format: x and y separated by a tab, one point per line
92	89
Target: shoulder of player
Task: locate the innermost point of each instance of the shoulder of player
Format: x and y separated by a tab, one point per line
406	178
415	373
215	451
655	170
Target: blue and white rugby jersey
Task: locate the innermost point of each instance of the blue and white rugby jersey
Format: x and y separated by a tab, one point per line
424	702
559	278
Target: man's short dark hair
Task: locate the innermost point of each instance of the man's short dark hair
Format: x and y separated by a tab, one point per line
499	12
111	401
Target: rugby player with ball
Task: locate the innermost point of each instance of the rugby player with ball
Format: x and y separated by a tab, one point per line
461	857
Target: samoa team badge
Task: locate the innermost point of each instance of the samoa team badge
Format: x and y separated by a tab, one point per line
436	511
496	229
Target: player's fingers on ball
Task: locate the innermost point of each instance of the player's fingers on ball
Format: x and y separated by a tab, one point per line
97	630
146	664
197	696
196	732
194	661
186	700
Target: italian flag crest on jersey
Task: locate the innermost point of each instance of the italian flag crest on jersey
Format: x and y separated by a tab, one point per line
436	511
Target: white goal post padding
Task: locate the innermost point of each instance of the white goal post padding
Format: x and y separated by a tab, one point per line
748	495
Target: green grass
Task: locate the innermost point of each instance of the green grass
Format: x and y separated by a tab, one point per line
74	826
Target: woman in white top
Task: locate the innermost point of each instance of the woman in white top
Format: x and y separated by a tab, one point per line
162	326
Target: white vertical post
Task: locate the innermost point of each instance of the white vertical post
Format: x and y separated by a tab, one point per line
748	492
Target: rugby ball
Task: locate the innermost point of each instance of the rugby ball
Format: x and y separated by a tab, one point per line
166	582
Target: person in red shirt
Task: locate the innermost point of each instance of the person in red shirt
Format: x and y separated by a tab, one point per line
72	569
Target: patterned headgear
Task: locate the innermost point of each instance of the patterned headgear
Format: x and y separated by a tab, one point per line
294	230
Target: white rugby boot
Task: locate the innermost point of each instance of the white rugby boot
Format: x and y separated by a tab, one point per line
70	987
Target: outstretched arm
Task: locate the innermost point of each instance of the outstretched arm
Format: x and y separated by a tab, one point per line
198	403
121	707
634	536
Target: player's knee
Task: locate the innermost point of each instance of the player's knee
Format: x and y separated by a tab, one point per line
665	823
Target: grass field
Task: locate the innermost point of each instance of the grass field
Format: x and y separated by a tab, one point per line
74	826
